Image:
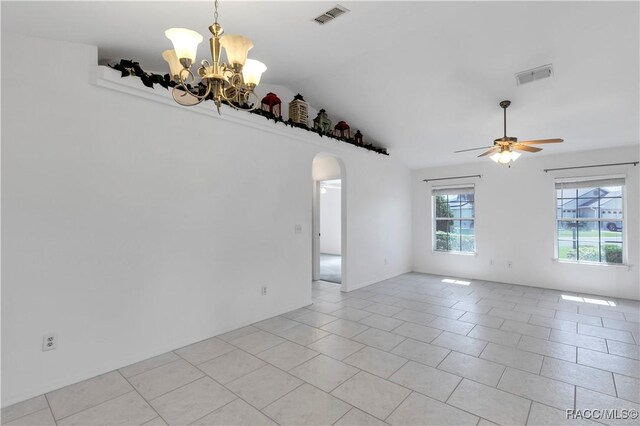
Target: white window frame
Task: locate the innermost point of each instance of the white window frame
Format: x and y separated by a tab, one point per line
579	179
434	219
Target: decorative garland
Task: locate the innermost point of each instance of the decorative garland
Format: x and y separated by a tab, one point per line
132	68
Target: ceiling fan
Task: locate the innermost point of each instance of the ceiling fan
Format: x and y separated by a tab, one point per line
505	149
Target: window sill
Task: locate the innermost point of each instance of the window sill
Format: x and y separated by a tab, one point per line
611	265
462	253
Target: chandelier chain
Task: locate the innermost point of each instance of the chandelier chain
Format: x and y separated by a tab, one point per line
215	13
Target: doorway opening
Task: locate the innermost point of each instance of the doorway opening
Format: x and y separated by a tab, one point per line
329	221
330	231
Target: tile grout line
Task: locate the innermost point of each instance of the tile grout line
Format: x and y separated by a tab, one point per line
445	357
529	412
179	387
50	409
348	411
353	406
446	401
151	369
454	389
500	379
395	346
219	408
342	382
32	413
144	399
404	387
398	406
94	406
238	396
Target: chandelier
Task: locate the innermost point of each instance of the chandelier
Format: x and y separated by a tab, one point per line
231	83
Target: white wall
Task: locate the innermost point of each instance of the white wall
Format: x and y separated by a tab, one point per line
515	220
131	228
330	221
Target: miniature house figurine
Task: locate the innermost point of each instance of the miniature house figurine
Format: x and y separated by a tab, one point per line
322	123
272	105
342	130
359	138
299	110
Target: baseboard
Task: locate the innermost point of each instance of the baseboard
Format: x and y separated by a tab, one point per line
377	280
531	284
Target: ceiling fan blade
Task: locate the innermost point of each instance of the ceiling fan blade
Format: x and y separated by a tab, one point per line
472	149
491	151
527	148
537	141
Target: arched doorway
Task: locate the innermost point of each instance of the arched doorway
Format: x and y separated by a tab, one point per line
329	220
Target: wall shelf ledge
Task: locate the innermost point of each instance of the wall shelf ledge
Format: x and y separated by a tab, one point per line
109	78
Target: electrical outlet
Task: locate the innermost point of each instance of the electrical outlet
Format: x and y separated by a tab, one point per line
49	342
264	290
298	228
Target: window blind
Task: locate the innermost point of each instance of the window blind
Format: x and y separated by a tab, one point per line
452	190
589	183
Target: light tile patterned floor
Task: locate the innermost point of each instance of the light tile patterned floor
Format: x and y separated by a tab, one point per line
407	351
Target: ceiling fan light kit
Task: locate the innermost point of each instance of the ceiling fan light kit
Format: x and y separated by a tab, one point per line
505	157
504	150
233	83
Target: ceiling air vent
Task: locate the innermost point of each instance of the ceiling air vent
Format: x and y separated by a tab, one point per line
331	14
535	74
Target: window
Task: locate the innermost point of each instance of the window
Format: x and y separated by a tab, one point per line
590	220
454	225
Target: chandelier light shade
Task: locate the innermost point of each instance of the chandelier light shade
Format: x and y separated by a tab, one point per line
237	48
232	83
174	63
252	71
185	43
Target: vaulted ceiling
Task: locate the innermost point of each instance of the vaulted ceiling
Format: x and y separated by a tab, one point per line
421	78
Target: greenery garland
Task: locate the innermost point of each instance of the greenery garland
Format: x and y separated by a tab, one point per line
131	68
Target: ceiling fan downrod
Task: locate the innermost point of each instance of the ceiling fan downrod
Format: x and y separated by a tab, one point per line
504	105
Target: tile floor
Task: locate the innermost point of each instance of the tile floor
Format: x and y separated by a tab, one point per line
331	268
407	351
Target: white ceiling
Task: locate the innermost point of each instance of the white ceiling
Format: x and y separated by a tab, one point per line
421	78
